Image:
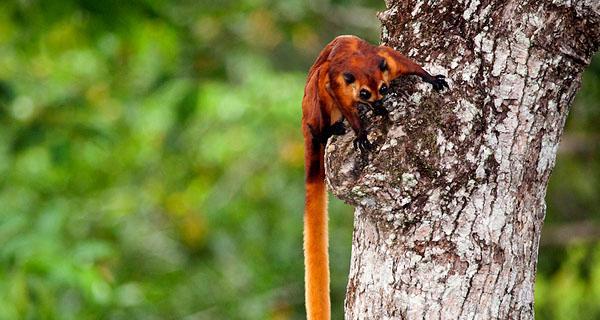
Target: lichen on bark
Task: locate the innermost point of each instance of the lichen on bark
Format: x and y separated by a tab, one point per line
450	203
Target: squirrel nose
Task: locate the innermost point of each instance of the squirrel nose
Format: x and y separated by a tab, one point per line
378	103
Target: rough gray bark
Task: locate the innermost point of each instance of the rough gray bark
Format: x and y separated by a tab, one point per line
450	203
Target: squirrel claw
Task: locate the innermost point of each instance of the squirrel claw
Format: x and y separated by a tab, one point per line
362	144
438	82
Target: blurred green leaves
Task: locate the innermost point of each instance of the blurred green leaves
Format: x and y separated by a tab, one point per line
135	186
572	291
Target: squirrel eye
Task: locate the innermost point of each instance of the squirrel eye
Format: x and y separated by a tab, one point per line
382	65
348	77
364	94
383	90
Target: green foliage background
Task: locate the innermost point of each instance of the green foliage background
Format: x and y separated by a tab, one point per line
151	162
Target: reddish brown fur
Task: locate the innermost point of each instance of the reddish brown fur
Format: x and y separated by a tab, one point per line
326	86
328	99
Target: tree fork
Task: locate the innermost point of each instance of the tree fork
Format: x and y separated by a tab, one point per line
450	202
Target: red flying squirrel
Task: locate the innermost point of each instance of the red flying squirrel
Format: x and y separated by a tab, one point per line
348	72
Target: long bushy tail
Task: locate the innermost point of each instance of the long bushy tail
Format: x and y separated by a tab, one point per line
316	256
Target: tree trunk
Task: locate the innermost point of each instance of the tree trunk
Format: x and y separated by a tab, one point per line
450	203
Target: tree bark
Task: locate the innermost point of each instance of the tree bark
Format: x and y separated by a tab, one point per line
450	203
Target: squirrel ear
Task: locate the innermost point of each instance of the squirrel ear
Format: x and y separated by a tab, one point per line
348	77
383	65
